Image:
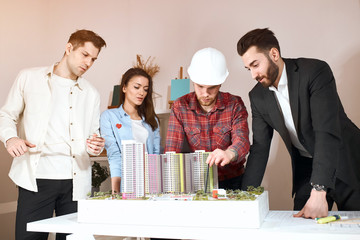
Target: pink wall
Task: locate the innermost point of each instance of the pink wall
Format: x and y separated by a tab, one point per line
34	33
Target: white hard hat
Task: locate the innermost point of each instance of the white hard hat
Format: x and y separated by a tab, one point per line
208	67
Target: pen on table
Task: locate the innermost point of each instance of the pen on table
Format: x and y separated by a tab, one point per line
327	219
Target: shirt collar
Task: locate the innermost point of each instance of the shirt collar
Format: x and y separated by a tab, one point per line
194	104
124	114
122	111
282	82
79	82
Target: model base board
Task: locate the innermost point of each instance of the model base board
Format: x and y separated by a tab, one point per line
218	213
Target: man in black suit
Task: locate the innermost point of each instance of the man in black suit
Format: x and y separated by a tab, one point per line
298	98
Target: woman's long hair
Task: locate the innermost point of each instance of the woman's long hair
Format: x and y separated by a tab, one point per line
146	109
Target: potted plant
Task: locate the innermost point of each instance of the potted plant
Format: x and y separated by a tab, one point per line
98	175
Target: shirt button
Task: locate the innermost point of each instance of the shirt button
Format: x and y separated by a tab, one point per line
73	156
70	92
70	107
71	123
74	173
72	139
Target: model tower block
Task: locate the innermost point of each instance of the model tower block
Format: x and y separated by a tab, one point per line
171	172
133	179
153	174
201	173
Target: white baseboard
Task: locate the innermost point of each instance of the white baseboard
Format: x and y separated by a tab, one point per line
8	207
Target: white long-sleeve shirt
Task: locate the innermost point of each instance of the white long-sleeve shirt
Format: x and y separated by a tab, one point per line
282	95
55	160
26	114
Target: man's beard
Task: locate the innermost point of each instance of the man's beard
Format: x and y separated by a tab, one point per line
271	75
208	103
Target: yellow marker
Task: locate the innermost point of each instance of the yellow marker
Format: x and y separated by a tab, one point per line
328	219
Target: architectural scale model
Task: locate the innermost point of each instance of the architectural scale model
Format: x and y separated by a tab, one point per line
144	174
174	186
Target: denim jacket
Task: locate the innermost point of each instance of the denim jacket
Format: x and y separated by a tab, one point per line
115	126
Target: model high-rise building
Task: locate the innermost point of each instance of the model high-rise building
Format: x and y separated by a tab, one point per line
153	174
200	173
171	180
133	178
188	172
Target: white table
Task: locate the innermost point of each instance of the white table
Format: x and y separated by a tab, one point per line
277	225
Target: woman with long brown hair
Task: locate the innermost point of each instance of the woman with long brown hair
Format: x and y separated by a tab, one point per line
134	119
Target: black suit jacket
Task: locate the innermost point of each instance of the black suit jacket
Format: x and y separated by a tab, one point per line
320	121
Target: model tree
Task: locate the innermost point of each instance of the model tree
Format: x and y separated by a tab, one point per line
99	174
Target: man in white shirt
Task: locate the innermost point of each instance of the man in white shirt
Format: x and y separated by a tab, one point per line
50	125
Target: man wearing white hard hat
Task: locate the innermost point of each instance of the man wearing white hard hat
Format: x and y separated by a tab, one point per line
211	120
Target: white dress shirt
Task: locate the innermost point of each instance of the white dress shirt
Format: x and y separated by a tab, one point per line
282	95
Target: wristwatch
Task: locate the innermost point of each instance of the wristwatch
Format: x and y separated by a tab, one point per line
318	187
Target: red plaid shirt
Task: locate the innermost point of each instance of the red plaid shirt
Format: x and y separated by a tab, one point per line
224	127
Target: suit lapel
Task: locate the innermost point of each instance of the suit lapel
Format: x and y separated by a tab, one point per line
277	118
